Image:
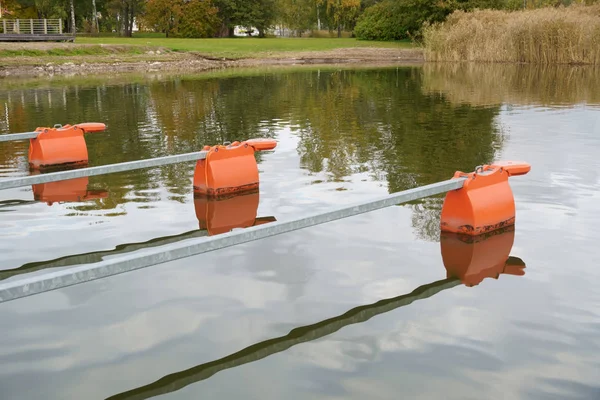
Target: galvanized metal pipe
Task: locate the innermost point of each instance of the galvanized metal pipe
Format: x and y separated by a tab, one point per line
18	136
118	265
100	170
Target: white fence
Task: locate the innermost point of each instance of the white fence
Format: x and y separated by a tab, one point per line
31	27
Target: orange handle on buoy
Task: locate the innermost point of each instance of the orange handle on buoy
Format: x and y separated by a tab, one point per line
513	168
262	144
90	127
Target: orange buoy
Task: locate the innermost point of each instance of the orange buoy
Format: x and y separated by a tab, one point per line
485	202
229	169
222	215
472	259
61	145
71	190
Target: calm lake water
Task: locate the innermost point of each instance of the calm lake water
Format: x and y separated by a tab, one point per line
362	308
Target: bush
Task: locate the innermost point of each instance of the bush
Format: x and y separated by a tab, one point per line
378	22
399	19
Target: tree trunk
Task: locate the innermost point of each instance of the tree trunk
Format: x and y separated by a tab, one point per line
72	17
126	20
95	27
131	20
339	30
318	20
230	32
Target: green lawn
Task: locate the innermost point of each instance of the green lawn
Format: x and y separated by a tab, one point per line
245	47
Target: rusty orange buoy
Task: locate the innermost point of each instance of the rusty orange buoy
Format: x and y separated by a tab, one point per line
229	169
485	202
61	145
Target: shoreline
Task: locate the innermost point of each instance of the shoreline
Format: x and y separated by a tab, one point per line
153	61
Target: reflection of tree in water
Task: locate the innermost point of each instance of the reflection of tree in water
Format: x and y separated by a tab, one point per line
374	121
382	121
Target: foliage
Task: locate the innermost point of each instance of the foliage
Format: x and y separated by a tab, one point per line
199	19
373	19
297	15
341	12
163	15
255	13
399	19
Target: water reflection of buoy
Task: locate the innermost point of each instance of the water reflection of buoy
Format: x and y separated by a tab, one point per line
73	190
221	215
472	259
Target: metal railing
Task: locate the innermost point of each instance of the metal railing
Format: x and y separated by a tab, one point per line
99	170
29	286
31	27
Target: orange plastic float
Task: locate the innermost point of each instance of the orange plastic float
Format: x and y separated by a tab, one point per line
485	203
72	190
472	259
222	215
229	169
61	145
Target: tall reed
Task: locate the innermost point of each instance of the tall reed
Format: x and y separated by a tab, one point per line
563	35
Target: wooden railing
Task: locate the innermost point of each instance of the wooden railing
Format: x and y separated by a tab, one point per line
31	27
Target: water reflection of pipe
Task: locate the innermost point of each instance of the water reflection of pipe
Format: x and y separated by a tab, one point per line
214	217
463	263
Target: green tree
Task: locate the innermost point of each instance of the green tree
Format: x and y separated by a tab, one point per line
297	15
341	12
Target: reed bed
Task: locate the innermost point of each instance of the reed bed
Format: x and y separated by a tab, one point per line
562	35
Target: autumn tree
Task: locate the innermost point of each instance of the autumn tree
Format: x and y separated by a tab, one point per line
199	19
183	18
163	15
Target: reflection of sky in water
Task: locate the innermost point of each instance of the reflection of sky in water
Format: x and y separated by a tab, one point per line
517	337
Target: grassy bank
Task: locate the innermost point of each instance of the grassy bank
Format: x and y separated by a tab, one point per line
246	47
566	35
67	50
117	55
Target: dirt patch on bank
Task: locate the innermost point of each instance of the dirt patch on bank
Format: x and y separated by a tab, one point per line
123	59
